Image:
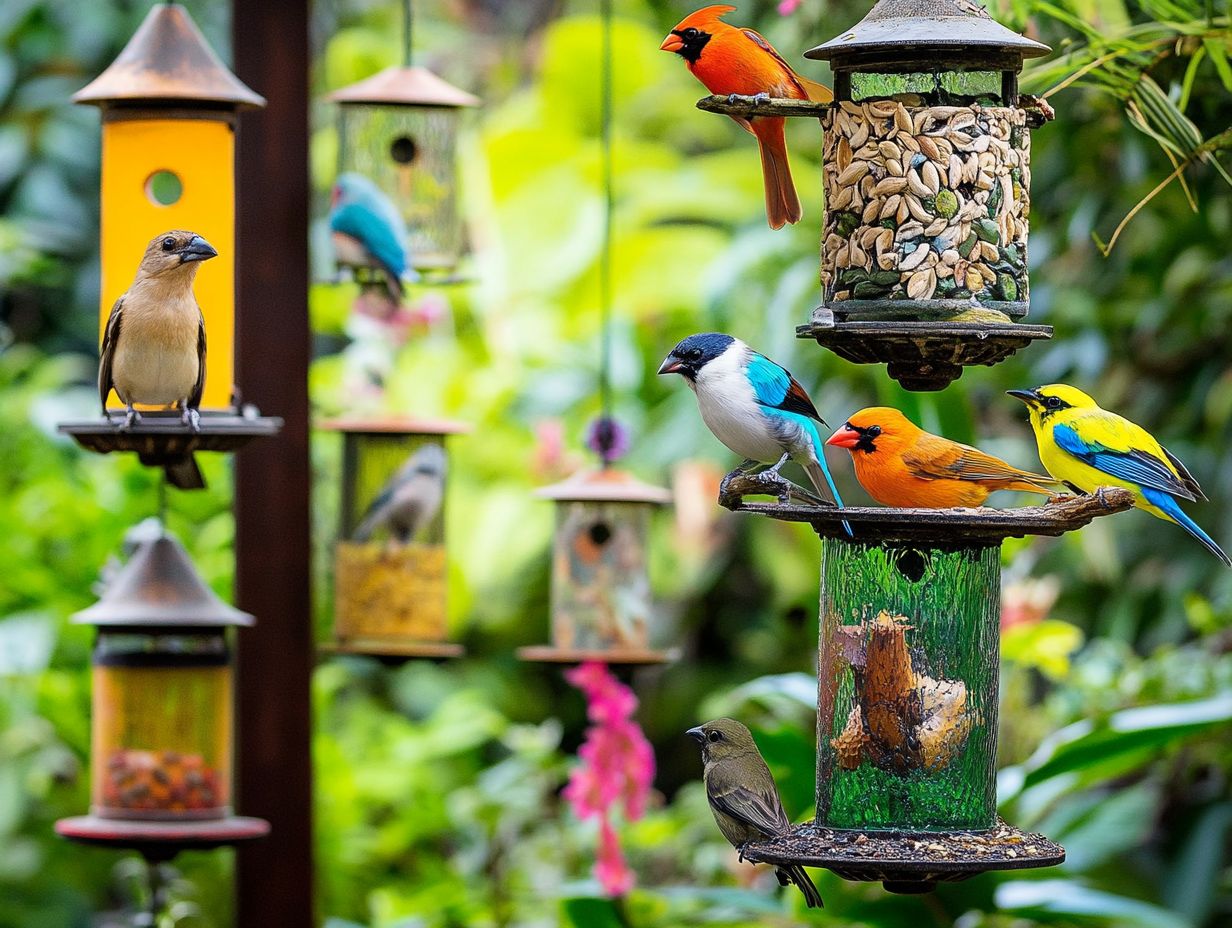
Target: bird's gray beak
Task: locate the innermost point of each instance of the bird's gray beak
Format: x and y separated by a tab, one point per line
1030	397
695	733
197	249
671	365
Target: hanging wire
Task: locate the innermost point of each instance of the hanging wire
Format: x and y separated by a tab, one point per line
607	439
407	33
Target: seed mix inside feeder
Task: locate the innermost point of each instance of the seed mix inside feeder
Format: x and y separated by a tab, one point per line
926	161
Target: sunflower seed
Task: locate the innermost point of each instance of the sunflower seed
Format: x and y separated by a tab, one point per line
920	286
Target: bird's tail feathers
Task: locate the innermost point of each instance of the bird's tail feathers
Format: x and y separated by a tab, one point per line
782	202
795	875
1173	511
184	473
818	93
1028	482
823	483
364	530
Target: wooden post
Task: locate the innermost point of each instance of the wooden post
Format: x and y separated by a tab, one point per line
274	877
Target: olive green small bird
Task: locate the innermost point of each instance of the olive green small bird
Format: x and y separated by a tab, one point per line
743	795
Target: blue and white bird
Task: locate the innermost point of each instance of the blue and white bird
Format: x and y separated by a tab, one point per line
410	500
754	407
367	231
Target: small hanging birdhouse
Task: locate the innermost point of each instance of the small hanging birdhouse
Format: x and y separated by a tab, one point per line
908	663
602	608
162	729
168	162
397	158
390	562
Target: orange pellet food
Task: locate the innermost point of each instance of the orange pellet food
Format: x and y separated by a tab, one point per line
159	781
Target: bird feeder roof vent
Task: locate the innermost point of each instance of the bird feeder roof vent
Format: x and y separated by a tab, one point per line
897	28
405	86
160	588
168	61
605	486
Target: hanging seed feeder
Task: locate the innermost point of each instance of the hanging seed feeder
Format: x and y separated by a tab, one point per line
601	603
399	129
908	663
926	160
390	559
169	110
162	726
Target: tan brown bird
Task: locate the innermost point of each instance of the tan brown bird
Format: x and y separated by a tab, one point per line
743	795
153	350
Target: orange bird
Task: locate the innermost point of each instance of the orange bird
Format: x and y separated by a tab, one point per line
899	464
729	61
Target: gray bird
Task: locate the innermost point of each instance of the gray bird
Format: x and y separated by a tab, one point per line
410	500
154	345
744	797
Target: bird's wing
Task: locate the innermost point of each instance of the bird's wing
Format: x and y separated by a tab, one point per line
936	458
776	388
375	234
758	808
789	75
111	335
1183	472
194	398
1113	452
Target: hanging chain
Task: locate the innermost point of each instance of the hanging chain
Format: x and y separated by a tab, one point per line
407	34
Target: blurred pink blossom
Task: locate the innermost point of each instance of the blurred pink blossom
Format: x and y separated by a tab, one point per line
617	767
787	7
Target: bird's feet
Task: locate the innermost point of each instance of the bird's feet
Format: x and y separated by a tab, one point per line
191	418
1060	498
740	851
761	98
131	418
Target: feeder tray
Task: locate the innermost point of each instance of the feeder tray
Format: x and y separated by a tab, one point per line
923	355
160	436
547	654
157	841
908	863
941	528
394	650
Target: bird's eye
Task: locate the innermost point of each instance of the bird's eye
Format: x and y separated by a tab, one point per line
1053	402
874	431
168	243
714	736
691	33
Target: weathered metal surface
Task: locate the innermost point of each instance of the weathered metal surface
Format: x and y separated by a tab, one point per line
405	86
162	840
160	588
394	649
946	528
160	437
168	62
907	862
897	28
605	486
921	355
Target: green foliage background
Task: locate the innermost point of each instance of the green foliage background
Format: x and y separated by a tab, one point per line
438	786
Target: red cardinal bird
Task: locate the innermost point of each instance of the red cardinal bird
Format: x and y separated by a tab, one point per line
730	60
899	464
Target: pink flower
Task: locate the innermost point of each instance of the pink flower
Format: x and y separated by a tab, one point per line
787	7
617	768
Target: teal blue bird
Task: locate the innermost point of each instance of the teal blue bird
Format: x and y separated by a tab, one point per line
368	231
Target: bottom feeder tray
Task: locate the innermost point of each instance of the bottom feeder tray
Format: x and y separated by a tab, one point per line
159	437
549	654
394	648
162	840
908	863
922	356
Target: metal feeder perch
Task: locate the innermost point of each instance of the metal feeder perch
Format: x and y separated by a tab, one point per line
601	603
908	665
927	176
399	129
169	110
162	727
390	559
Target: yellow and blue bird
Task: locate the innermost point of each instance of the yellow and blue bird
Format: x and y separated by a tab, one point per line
1086	447
368	232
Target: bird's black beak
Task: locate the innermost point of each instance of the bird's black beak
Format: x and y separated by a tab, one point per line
197	249
696	733
671	365
1030	397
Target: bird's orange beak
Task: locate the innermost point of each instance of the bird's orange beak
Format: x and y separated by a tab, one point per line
846	437
673	43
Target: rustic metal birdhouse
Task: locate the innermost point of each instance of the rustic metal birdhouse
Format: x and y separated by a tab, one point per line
908	662
390	561
162	726
602	608
927	175
399	129
168	162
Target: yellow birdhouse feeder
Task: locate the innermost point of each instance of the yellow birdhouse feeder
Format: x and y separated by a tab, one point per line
168	162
